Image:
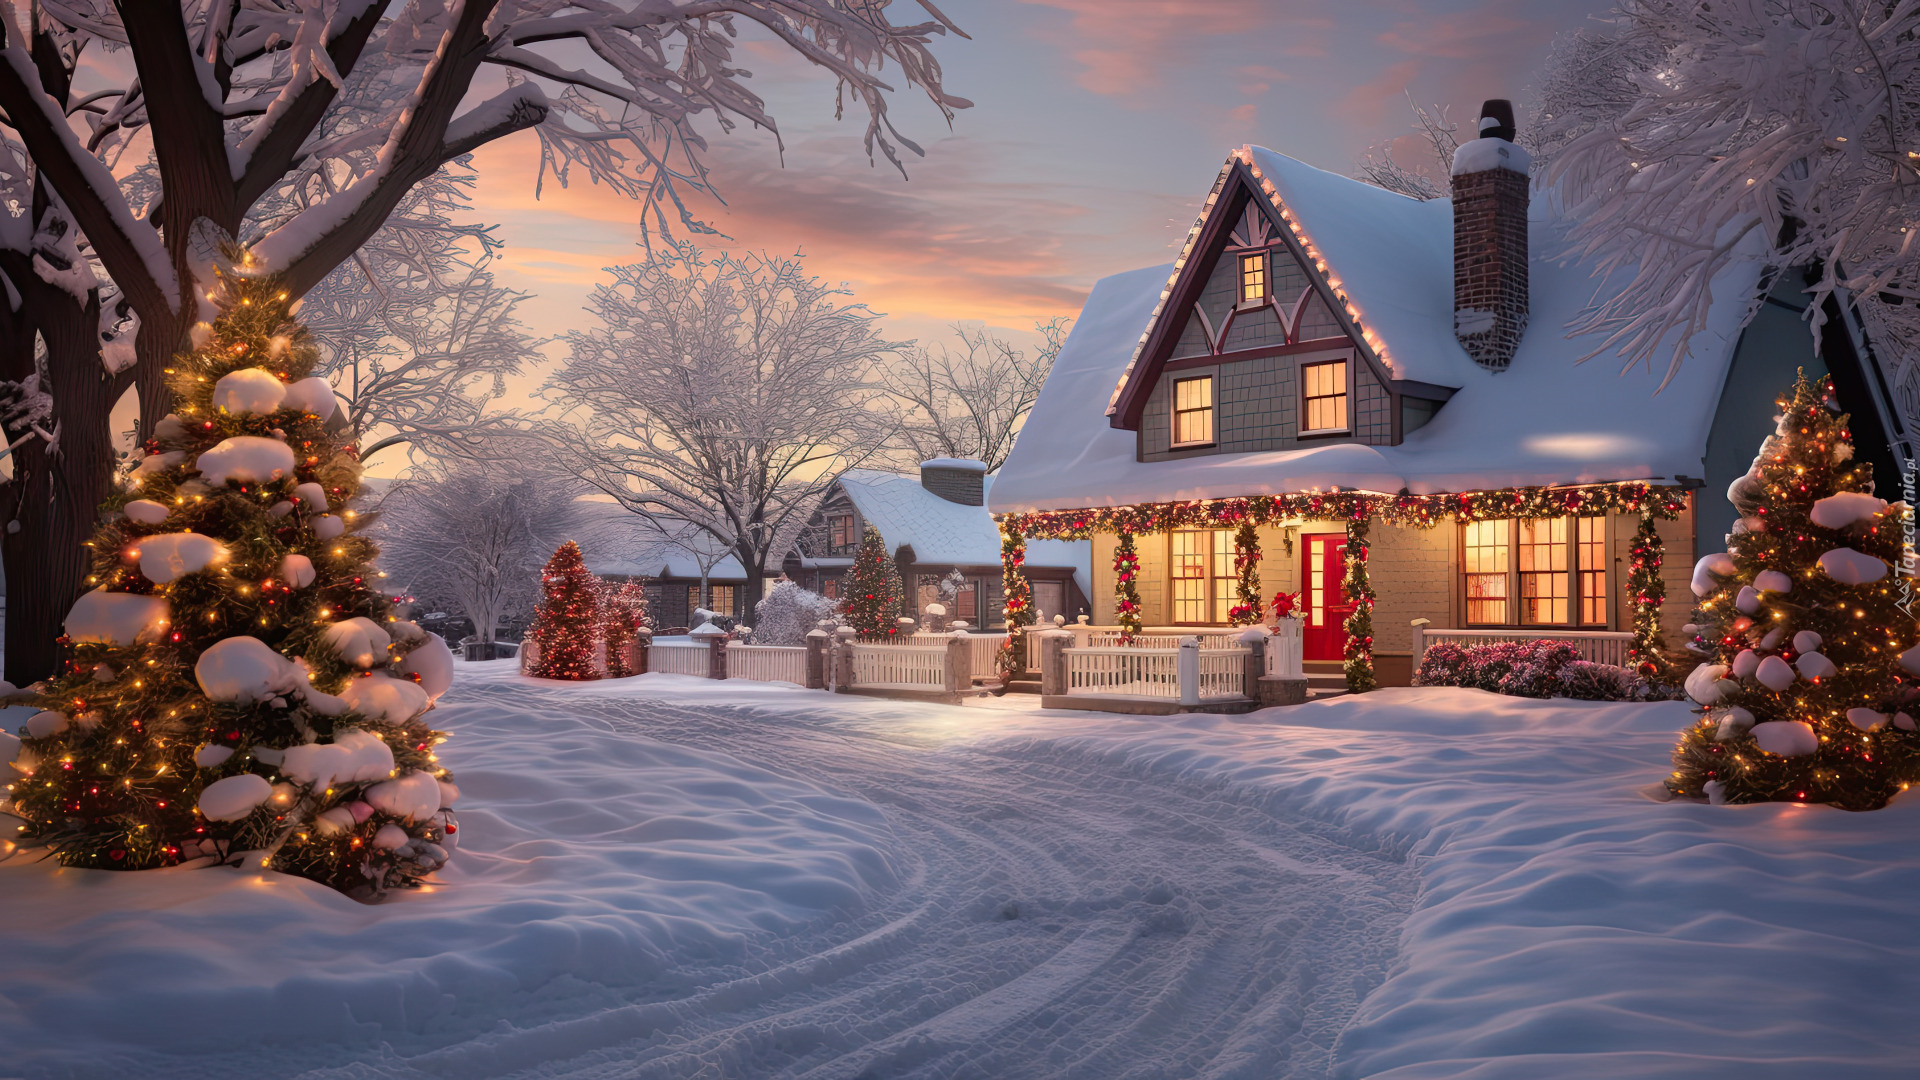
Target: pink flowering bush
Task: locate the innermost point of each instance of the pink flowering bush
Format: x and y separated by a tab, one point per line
1536	669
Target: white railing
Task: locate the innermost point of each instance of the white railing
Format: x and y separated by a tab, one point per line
983	650
1222	674
678	658
767	663
900	667
1598	646
1283	651
1124	670
1213	638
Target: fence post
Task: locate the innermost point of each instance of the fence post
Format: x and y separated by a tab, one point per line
1082	633
843	659
642	655
1189	668
1420	640
717	657
817	659
1255	639
1053	662
959	663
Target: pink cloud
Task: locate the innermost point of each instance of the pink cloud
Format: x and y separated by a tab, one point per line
1367	103
1125	46
1485	33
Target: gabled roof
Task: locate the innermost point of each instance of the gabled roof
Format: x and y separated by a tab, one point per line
941	531
1383	259
617	543
1546	420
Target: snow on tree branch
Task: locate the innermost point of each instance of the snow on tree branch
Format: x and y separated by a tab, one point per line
970	402
1696	132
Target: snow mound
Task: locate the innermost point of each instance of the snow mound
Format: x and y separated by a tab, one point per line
297	571
311	395
249	459
352	756
249	391
169	557
1846	508
1787	738
1850	567
146	511
359	641
413	796
1717	564
381	697
120	619
234	797
1479	155
243	670
432	662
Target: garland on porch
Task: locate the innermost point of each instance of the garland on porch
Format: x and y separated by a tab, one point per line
1126	586
1246	566
1018	606
1648	592
1416	511
1359	624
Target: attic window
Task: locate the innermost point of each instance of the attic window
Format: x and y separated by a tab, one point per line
1323	389
1193	411
1253	279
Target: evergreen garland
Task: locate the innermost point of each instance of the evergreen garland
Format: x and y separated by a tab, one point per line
1812	665
1126	587
567	626
1359	624
1649	592
1017	607
874	590
236	682
1246	566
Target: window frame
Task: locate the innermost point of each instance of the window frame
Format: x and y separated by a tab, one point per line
713	599
1264	272
852	544
1173	396
1587	586
1214	555
1345	396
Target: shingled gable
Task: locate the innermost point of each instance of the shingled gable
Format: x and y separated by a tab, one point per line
1246	210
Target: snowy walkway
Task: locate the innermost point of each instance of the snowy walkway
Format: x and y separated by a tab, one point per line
666	877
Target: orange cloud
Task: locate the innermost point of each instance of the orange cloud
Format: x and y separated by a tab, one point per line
1125	46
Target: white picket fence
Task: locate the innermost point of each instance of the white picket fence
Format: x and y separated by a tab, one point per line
1284	658
767	663
900	667
1597	646
983	650
1223	674
1210	638
1123	671
678	658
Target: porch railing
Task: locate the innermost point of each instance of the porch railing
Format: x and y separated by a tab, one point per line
1124	671
1598	646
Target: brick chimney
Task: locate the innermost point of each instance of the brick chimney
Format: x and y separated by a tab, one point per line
1490	240
957	480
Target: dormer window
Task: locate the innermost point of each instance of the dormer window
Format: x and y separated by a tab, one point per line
1253	279
1193	411
1323	392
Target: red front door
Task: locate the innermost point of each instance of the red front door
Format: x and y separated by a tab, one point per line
1324	600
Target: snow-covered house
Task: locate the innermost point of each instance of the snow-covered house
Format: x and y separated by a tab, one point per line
1325	350
683	570
935	524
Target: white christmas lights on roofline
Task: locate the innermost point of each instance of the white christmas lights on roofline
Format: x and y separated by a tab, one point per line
1244	155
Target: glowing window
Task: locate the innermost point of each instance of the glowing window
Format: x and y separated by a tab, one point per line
1483	558
1592	560
1193	411
1324	396
1253	279
1543	571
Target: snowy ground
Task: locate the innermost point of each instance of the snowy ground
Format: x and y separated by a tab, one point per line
665	878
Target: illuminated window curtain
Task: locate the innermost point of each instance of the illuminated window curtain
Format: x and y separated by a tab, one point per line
1542	549
1324	387
1590	555
1188	573
1483	557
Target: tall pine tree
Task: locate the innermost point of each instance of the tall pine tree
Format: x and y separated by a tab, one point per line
237	684
1808	690
567	631
872	590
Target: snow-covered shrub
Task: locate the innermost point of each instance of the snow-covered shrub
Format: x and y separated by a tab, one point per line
1583	680
1515	668
787	613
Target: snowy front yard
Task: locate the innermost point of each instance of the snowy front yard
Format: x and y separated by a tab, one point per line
666	877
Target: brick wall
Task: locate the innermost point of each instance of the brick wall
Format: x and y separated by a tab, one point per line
964	486
1413	576
1490	262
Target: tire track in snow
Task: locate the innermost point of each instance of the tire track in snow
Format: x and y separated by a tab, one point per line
1058	917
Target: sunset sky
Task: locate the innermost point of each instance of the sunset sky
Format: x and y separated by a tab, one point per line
1096	129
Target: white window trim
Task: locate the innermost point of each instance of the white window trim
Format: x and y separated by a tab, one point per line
1240	302
1213	409
1300	389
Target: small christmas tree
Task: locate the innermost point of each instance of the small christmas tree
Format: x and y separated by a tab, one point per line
623	611
1811	664
566	630
237	683
873	589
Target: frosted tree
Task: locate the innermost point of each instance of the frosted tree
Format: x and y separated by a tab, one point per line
788	614
475	537
969	401
1695	132
720	392
334	109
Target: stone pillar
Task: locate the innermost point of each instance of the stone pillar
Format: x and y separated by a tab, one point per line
717	658
843	659
817	649
642	651
959	663
1053	660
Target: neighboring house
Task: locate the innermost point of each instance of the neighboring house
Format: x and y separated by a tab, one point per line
934	524
619	546
1319	334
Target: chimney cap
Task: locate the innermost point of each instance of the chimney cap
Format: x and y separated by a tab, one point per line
1496	119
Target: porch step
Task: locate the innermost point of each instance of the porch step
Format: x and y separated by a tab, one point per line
1325	678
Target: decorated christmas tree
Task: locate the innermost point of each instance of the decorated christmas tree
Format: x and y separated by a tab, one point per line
237	687
1808	686
567	634
623	611
873	590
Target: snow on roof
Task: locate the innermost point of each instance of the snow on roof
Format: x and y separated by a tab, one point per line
954	463
1547	420
940	531
616	543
